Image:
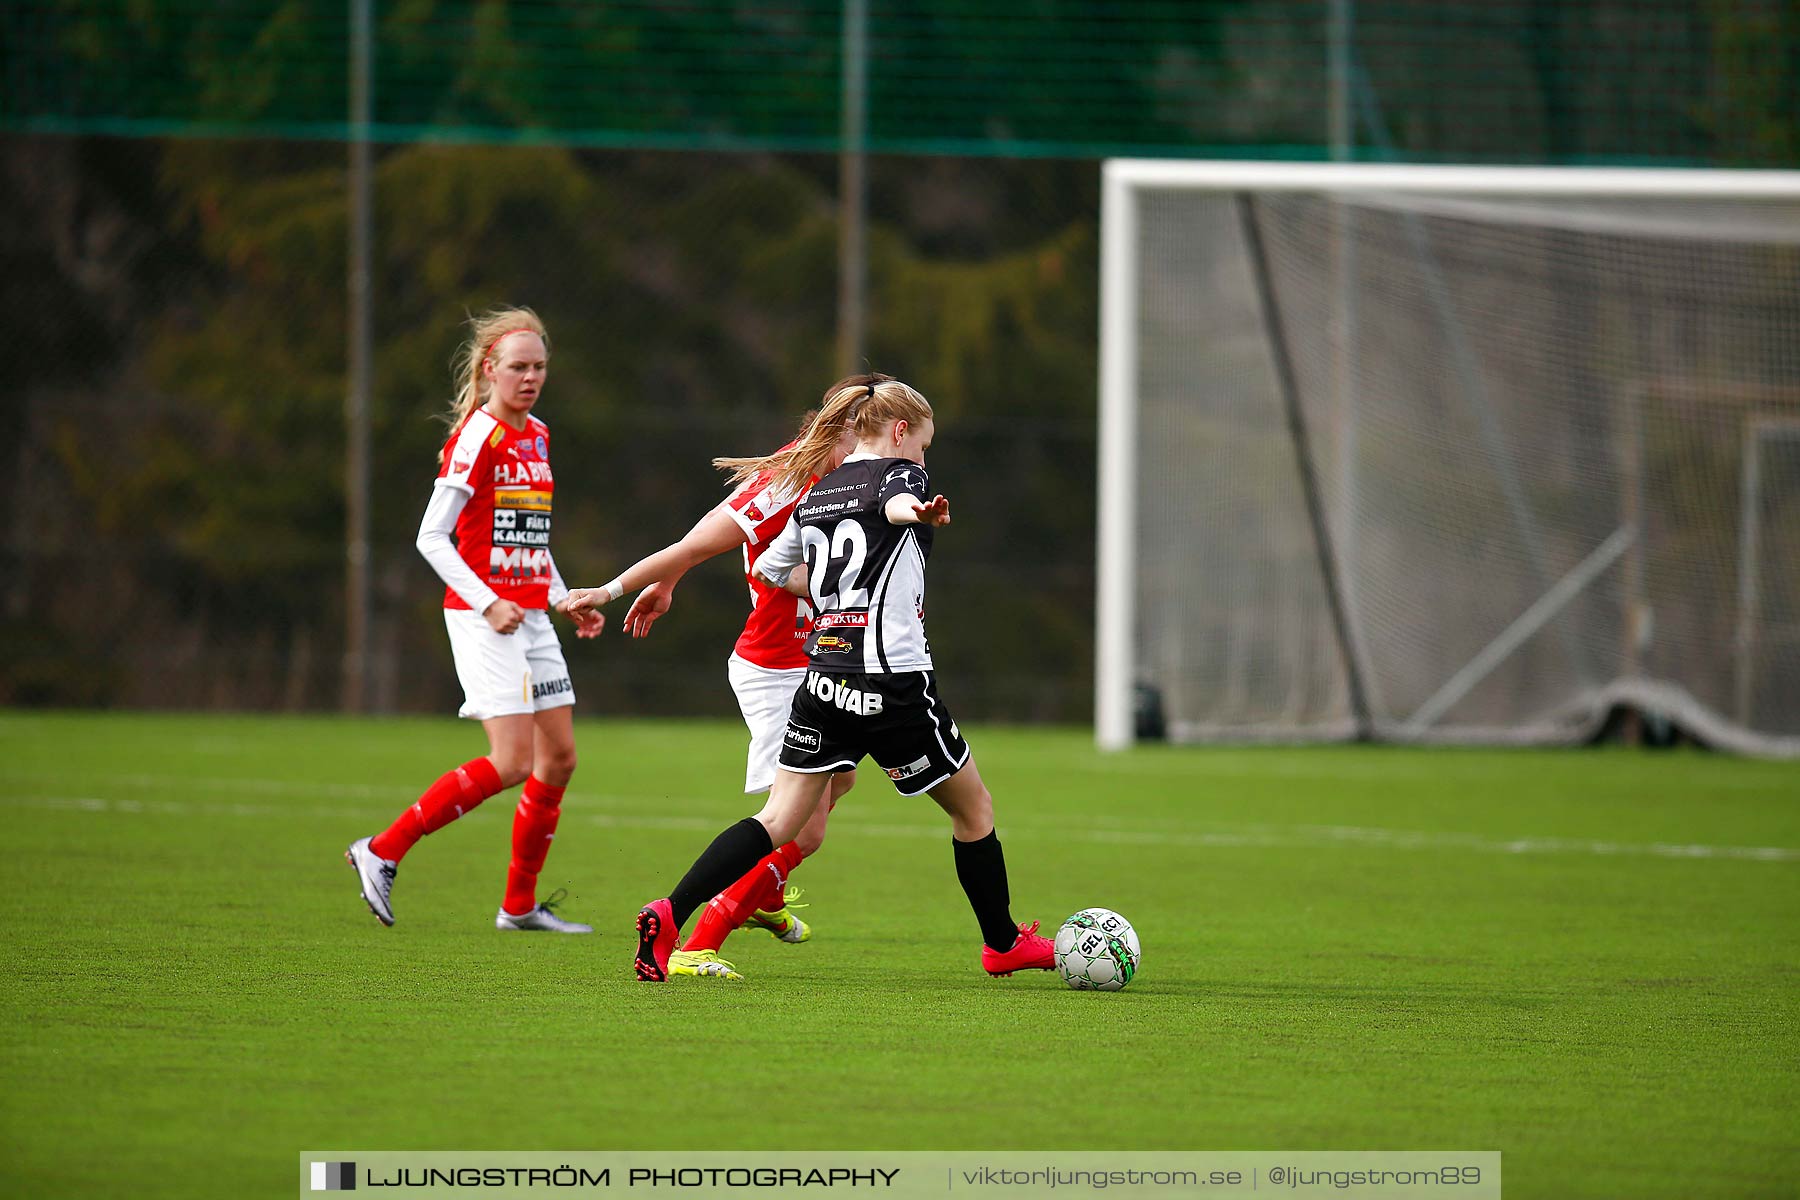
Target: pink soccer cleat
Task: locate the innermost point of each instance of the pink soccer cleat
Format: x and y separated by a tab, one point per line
1029	953
656	941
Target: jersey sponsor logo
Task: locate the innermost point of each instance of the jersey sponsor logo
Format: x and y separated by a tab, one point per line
506	474
916	767
521	527
460	466
807	512
551	687
833	645
499	434
753	513
851	700
543	446
520	498
844	621
518	561
802	737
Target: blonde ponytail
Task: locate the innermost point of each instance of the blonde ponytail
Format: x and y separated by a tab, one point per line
485	332
861	403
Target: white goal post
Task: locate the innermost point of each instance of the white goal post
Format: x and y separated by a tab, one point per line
1448	453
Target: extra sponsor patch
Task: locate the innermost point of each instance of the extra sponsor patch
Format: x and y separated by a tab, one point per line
833	645
802	737
851	620
495	438
916	767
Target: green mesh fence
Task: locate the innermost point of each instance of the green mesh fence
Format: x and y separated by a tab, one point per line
1702	81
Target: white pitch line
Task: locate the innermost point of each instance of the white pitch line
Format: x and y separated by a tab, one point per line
1229	837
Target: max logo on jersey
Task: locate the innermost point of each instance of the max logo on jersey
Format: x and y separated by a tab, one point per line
518	561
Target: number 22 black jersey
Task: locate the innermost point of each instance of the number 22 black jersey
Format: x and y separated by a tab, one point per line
866	574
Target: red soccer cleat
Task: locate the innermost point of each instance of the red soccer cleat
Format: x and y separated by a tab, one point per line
1029	953
656	941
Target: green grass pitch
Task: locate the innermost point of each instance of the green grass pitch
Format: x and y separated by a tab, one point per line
1581	959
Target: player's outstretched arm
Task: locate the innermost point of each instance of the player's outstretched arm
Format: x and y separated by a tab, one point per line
905	509
712	535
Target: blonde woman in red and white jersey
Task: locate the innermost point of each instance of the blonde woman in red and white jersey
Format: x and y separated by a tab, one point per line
486	533
768	662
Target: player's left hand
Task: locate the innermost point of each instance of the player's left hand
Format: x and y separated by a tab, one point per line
650	604
582	600
935	513
589	622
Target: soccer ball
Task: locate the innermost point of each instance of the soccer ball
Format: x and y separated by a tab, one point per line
1097	950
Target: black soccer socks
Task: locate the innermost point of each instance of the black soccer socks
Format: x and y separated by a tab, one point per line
723	863
981	868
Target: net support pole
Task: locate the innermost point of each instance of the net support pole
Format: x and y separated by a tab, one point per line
361	351
1286	381
1474	394
853	188
1527	623
1115	600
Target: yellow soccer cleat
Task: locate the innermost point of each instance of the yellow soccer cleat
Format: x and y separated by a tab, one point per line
784	925
706	964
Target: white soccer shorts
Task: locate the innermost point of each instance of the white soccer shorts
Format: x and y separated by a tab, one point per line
764	696
503	674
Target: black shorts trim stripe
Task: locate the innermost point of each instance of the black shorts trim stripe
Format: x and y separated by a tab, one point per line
927	787
937	726
847	765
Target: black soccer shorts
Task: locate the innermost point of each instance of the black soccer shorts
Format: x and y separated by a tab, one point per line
898	720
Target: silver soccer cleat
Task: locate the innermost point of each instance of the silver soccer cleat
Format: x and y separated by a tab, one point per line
541	919
376	875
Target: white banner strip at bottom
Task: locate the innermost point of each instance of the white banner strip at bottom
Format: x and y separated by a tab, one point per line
905	1175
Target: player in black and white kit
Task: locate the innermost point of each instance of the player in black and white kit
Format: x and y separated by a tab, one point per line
857	545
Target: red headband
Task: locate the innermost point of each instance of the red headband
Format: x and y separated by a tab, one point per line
489	352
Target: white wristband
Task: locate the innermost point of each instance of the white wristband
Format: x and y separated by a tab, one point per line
615	589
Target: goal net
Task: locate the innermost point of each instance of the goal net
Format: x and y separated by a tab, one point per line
1449	454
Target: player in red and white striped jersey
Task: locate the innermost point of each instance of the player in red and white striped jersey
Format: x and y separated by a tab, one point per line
486	533
765	668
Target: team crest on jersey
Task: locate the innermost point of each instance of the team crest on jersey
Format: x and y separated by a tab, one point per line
543	446
460	466
904	474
